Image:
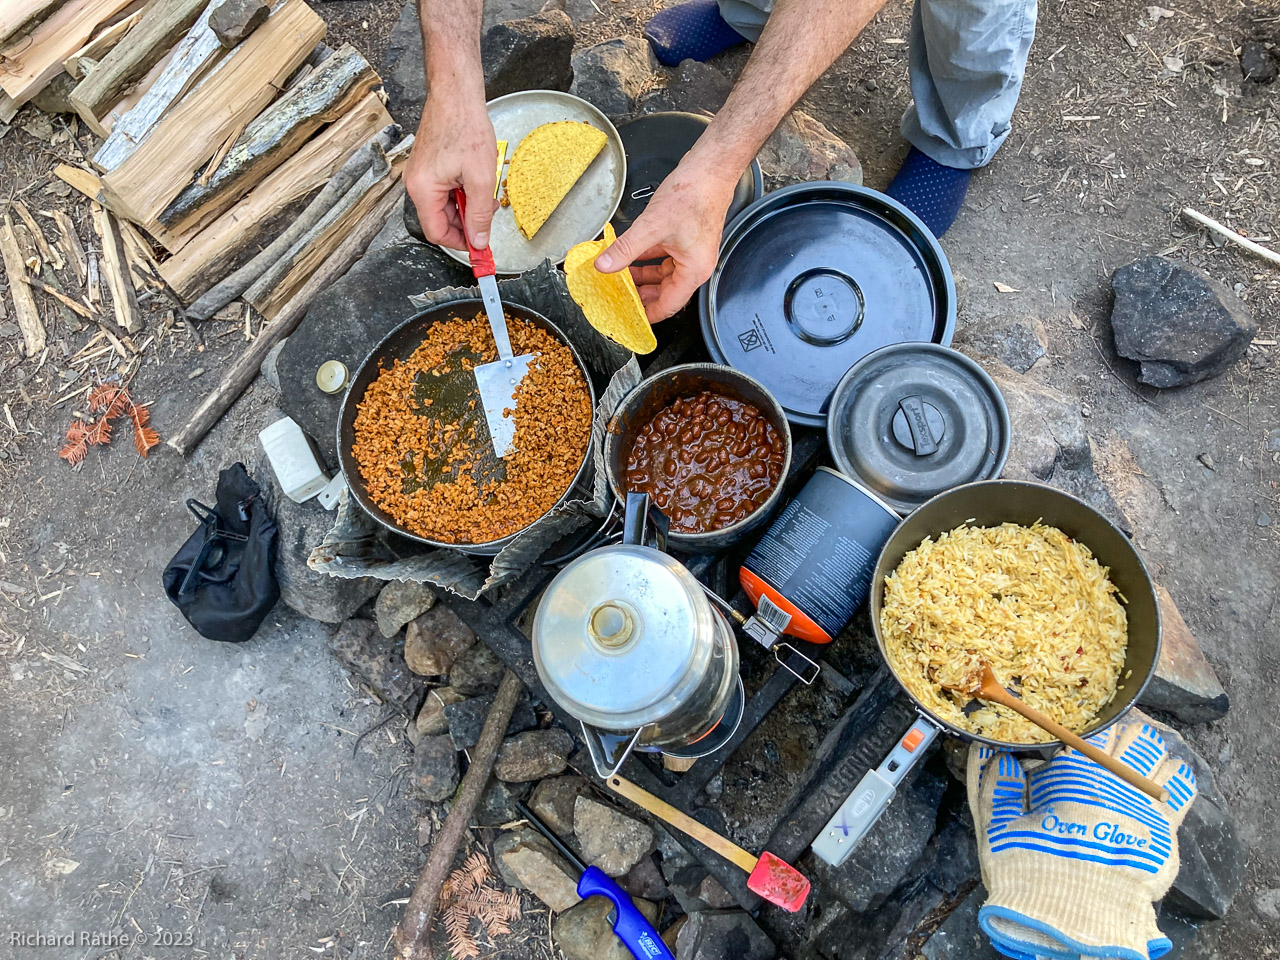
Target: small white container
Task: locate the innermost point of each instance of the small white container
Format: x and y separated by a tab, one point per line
293	459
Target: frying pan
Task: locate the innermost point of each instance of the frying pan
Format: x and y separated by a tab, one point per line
453	399
990	503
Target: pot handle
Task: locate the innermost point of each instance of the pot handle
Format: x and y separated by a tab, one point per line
863	807
642	523
609	751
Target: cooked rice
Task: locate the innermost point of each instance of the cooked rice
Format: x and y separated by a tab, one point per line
1030	601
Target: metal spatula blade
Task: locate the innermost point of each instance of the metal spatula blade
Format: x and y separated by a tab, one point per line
496	381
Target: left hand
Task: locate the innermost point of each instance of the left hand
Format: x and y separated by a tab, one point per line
681	225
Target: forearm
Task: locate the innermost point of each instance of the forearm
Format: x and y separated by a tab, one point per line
451	43
800	41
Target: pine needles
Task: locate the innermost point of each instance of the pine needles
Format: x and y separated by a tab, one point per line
466	897
108	402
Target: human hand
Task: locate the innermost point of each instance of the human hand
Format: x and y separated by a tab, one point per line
681	226
455	147
1076	870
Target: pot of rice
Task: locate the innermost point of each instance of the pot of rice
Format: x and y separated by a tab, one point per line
1030	580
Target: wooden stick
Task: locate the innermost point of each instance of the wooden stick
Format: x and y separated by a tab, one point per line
100	46
70	243
124	299
193	55
189	134
286	321
240	281
61	297
47	253
1229	234
81	180
342	81
413	935
24	304
93	282
27	65
159	29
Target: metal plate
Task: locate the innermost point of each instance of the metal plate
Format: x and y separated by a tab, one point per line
589	205
814	277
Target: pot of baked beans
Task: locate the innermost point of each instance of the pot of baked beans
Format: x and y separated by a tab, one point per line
710	446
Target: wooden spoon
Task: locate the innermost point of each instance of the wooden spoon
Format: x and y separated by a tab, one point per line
990	689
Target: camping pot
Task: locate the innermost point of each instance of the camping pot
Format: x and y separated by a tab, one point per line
660	390
625	640
986	504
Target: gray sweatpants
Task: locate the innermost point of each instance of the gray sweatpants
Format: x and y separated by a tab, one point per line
968	58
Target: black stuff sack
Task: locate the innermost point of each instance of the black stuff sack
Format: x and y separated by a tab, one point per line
223	578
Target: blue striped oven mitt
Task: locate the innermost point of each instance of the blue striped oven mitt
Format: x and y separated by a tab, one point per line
1073	858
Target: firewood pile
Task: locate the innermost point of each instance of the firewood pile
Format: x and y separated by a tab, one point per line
219	119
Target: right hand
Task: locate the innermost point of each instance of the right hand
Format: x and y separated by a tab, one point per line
455	147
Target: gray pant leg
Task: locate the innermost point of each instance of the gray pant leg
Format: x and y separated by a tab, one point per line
968	58
748	17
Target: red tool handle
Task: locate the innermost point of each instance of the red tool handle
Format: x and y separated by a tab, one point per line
481	260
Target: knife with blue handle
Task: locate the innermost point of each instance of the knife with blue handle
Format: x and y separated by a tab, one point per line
629	924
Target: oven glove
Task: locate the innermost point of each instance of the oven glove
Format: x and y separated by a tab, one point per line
1075	868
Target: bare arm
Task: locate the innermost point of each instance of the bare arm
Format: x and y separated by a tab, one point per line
683	221
455	142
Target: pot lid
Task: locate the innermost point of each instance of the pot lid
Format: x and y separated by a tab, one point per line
915	419
654	144
814	277
623	636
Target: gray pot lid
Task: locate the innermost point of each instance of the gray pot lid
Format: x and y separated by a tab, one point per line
623	636
912	420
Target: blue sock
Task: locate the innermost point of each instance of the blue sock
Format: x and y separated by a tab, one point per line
692	30
932	192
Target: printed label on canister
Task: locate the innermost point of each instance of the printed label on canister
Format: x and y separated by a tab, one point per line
820	553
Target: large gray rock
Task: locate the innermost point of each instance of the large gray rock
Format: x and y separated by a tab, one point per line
1257	63
614	74
802	149
1017	343
435	769
466	719
374	659
56	95
1185	683
399	602
404	69
693	87
959	937
497	805
553	801
347	320
883	859
723	935
645	880
1179	324
435	640
608	838
544	873
584	932
533	755
477	670
431	720
533	53
233	20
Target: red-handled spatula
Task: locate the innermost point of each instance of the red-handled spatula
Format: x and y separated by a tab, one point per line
496	381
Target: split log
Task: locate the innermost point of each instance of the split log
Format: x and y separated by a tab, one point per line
282	279
237	89
327	94
161	26
413	935
81	180
8	108
93	285
346	177
202	261
130	99
246	367
194	55
71	245
24	304
27	65
47	253
91	54
19	17
124	299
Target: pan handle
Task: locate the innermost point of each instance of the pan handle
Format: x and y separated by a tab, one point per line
863	807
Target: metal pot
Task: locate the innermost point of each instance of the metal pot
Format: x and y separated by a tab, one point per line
625	640
990	503
399	344
662	389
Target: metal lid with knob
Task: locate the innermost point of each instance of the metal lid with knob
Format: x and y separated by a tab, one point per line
912	420
623	637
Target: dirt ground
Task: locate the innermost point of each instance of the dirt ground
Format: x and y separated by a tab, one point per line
205	798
